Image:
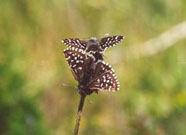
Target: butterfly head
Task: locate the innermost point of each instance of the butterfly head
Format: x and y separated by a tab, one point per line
93	45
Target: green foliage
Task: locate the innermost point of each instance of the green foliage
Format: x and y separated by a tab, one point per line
19	113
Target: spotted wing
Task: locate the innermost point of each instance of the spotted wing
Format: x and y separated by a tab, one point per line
76	59
75	42
110	41
104	78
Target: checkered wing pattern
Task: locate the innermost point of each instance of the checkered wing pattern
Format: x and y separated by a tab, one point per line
106	78
75	42
76	59
110	41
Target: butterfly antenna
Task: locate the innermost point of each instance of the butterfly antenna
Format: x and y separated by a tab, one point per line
66	85
89	100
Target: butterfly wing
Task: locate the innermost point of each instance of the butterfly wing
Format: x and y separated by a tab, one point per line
76	59
75	42
110	41
104	78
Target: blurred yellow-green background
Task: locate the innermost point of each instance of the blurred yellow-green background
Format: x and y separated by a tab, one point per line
152	98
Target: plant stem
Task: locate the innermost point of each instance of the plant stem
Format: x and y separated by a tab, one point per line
78	116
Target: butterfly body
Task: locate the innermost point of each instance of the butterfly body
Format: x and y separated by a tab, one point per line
83	87
91	76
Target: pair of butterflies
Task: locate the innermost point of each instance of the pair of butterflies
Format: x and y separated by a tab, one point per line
85	58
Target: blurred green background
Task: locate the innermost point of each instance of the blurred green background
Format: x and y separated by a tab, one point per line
152	98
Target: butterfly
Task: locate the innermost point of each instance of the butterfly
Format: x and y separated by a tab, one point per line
91	76
93	46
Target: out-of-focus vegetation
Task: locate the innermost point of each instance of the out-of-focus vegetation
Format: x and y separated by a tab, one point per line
152	99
